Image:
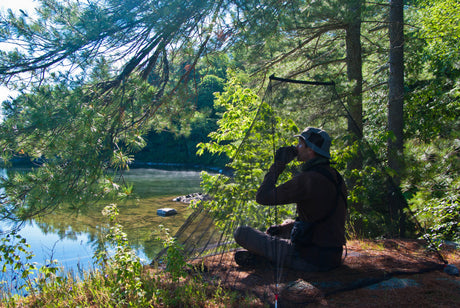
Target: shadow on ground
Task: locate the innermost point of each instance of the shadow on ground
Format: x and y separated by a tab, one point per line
384	273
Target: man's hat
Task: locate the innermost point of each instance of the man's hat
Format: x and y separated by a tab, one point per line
317	139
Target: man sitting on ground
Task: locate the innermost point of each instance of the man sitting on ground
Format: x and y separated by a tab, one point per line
314	241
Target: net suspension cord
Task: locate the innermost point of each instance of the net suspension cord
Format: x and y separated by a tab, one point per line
278	265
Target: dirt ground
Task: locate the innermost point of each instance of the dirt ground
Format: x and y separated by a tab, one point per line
384	273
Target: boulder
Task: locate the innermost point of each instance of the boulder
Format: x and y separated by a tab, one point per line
166	212
300	292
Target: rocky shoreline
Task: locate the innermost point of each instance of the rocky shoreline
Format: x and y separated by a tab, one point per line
195	197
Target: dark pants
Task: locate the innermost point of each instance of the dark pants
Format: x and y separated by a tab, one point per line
283	253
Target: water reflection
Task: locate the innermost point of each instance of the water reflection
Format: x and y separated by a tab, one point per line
73	237
155	182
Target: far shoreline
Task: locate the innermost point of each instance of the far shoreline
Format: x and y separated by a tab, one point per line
27	163
182	166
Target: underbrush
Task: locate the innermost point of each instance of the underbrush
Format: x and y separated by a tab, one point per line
156	289
122	280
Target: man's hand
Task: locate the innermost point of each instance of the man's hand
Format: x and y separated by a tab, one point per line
285	154
273	230
283	230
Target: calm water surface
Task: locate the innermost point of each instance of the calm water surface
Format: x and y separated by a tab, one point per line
72	238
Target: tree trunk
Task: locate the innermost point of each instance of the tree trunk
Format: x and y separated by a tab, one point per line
354	74
395	112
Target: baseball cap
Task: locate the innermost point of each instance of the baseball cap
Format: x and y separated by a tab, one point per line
317	139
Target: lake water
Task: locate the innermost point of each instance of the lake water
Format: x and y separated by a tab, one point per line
72	238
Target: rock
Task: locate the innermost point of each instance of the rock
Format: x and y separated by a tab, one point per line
393	283
451	270
166	212
188	198
300	292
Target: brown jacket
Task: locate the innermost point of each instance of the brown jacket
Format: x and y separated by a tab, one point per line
315	196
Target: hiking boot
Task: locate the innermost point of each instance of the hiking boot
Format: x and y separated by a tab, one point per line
246	259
